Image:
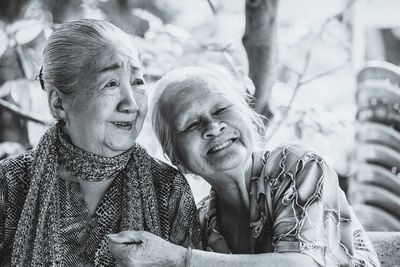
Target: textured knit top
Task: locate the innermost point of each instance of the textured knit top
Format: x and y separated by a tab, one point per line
296	205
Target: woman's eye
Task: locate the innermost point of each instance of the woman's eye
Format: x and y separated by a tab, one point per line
111	84
192	126
137	82
220	110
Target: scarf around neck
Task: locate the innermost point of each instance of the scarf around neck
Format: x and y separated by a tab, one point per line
37	238
88	166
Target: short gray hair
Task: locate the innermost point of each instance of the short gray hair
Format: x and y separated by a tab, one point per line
190	77
71	51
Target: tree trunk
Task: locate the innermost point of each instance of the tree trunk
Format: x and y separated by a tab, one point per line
10	9
260	42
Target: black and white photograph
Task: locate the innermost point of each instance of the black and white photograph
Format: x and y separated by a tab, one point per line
200	133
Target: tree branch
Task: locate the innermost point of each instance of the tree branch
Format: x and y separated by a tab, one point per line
325	73
23	114
301	81
214	11
22	62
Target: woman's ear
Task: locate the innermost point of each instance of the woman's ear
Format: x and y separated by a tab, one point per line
56	105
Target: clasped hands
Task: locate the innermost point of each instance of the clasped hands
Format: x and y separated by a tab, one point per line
140	248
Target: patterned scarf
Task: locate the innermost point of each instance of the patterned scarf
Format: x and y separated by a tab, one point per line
37	239
88	166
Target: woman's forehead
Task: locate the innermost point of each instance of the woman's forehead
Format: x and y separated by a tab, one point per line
116	55
188	100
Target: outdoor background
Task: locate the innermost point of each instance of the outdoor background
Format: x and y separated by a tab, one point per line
302	55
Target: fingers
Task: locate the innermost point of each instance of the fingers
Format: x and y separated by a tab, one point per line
124	248
127	237
120	251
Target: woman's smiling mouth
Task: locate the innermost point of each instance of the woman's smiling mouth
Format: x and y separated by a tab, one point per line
124	125
218	148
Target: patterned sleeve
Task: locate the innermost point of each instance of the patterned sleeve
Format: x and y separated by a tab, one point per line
311	213
185	228
3	192
14	185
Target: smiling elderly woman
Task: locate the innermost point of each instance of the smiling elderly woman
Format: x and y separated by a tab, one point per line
284	206
87	178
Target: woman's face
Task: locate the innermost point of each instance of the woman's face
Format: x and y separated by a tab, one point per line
107	113
210	134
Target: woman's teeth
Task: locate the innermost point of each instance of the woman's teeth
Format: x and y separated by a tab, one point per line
124	125
221	146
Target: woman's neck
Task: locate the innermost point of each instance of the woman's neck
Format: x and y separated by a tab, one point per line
232	187
233	209
93	192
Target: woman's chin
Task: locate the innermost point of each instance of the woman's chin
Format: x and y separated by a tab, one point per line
124	139
229	156
118	147
228	163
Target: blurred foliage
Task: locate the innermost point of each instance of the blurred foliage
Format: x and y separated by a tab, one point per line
170	34
26	25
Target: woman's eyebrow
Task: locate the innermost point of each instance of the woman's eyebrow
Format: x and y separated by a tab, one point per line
116	66
110	68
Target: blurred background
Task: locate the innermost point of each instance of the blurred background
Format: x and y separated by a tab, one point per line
323	72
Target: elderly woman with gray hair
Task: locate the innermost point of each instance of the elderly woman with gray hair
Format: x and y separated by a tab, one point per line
87	178
266	208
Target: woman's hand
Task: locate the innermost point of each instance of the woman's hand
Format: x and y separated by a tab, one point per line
139	248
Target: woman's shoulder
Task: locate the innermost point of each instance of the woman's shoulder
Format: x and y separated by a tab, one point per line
17	165
287	156
161	167
15	177
166	173
296	167
296	149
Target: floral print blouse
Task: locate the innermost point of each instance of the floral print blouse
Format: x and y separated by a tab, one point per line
296	205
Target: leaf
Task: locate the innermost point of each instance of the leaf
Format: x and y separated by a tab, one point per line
4	90
25	30
20	92
19	24
8	149
154	21
3	42
177	32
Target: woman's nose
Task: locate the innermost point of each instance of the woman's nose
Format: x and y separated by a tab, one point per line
213	128
128	102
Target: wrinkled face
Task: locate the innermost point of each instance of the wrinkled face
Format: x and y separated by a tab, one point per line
210	134
107	116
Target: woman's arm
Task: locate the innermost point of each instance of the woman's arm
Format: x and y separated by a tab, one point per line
184	222
132	248
3	191
205	258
